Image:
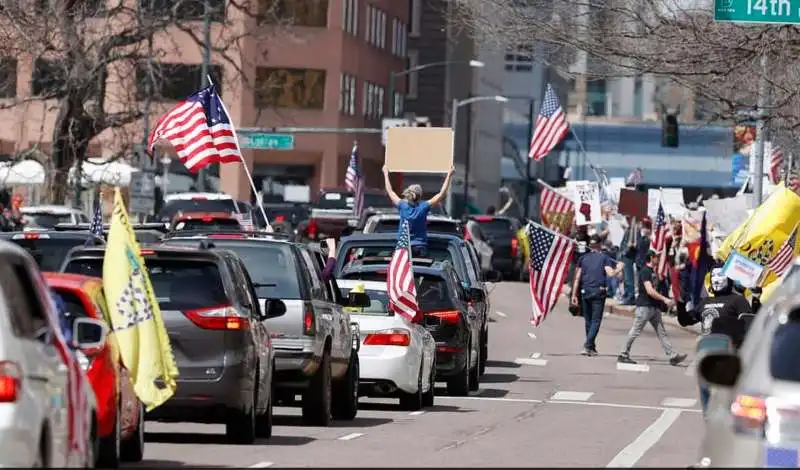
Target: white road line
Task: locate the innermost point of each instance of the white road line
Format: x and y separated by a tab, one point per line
531	335
351	436
501	314
525	361
261	465
536	355
633	367
567	402
510	400
416	413
679	402
572	396
631	454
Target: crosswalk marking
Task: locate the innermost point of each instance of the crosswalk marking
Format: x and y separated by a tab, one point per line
572	396
679	402
633	367
526	361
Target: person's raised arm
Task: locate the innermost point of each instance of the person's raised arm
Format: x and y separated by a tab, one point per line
509	201
392	195
443	192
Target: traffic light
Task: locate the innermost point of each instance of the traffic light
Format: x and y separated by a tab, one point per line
669	131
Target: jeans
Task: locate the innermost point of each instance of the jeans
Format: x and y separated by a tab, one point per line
652	315
629	294
705	395
612	283
592	311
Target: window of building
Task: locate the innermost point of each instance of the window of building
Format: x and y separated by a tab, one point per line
399	104
8	77
299	12
172	82
350	17
374	96
290	88
413	77
382	20
415	26
368	34
191	10
638	98
596	97
399	38
49	77
347	94
519	59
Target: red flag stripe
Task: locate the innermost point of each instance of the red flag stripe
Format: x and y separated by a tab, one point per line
775	164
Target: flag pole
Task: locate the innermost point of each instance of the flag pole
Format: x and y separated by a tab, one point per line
244	163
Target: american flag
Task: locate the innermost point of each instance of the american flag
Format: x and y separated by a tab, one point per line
785	255
400	278
551	126
556	210
659	242
551	254
775	166
354	181
200	130
96	229
245	220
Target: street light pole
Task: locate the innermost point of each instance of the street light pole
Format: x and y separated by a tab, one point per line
758	171
206	64
393	76
527	202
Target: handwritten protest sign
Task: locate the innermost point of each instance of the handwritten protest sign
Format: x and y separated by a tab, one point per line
586	196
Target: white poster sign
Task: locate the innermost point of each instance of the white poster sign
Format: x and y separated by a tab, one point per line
586	196
615	185
727	213
671	200
742	269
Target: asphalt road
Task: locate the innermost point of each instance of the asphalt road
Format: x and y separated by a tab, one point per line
540	404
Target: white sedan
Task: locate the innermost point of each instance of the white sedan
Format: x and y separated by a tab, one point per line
396	356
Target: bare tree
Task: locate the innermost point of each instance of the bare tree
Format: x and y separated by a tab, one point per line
96	64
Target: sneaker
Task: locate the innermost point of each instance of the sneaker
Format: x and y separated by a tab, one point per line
625	359
586	352
677	359
593	352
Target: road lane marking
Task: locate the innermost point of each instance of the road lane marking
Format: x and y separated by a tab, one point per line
536	355
416	413
531	335
679	402
351	436
261	465
572	396
631	454
633	367
526	361
501	314
567	402
510	400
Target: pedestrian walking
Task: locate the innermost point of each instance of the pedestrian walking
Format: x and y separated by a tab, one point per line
591	280
648	310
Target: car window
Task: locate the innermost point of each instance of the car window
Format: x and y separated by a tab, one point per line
471	269
49	253
492	227
73	303
318	291
439	226
250	291
171	208
210	225
379	303
784	352
24	306
355	253
46	219
434	294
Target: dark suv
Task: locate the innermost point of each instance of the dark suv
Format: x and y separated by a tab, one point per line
50	248
215	325
447	313
501	234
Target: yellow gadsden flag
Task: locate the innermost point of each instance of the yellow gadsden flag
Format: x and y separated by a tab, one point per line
135	316
760	237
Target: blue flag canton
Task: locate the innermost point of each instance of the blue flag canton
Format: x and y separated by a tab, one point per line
354	163
550	104
212	104
541	242
661	219
405	237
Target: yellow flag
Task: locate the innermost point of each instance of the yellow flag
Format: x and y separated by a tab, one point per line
135	315
760	237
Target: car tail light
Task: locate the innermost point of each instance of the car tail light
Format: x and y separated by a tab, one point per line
10	380
749	414
207	218
447	316
483	218
308	323
146	252
514	247
30	236
395	337
467	236
312	229
219	317
279	218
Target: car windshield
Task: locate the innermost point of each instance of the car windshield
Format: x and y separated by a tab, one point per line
49	253
355	254
208	225
172	208
432	292
46	219
378	303
439	226
345	200
179	284
494	227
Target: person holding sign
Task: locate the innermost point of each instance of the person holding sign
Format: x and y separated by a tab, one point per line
414	210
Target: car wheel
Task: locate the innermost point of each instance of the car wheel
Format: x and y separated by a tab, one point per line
429	397
317	397
240	425
132	448
109	451
413	401
264	420
458	386
475	374
484	351
345	405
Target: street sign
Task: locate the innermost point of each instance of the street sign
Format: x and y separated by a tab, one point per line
264	141
143	184
758	11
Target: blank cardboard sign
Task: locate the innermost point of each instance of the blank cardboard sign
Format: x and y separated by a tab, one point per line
419	149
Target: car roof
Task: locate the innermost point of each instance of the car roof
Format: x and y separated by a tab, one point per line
189	251
201	214
69	280
241	236
436	269
394	216
49	208
368	285
196	195
358	237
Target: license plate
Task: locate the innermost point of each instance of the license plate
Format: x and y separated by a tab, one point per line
778	457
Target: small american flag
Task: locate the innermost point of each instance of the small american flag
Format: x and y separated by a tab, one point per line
551	126
200	130
551	254
775	166
659	242
354	181
556	210
245	220
96	229
785	255
400	278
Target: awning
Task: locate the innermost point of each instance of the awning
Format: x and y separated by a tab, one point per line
96	171
22	172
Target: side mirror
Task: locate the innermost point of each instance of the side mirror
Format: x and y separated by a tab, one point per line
88	335
493	276
721	369
358	299
274	308
476	295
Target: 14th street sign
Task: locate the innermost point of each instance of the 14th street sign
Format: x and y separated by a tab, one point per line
758	11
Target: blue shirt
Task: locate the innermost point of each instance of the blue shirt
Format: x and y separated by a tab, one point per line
417	217
63	320
593	269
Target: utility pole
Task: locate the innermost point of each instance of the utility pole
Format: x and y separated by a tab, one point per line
758	171
527	177
468	159
204	68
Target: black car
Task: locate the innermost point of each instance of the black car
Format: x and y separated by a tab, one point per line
50	248
448	314
215	325
501	234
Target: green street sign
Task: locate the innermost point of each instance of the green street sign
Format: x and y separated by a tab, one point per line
758	11
267	141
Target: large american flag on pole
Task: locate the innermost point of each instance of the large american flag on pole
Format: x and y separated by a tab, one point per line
556	210
354	182
551	126
785	255
400	278
200	130
551	254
